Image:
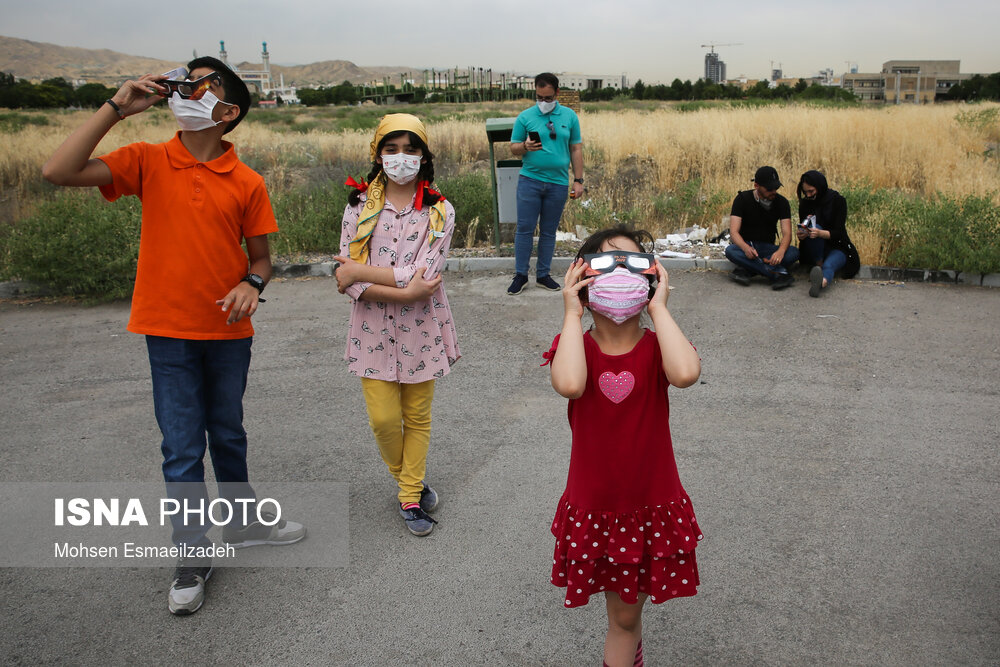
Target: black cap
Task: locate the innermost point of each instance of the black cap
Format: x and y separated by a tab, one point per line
767	177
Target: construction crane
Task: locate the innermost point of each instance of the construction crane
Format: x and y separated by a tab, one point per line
712	46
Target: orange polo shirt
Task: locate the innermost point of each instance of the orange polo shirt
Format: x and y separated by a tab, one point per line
195	216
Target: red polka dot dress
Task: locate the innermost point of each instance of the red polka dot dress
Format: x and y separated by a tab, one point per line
624	523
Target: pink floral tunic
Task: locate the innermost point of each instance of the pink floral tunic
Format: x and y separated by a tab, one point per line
397	342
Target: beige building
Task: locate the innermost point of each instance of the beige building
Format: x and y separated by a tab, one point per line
906	82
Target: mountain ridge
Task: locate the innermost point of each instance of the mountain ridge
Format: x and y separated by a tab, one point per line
37	61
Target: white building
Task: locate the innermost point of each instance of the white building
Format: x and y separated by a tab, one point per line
574	81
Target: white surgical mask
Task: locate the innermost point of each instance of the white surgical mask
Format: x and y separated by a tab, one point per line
401	168
546	107
194	115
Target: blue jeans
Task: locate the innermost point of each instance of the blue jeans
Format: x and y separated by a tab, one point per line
736	255
814	253
543	203
198	389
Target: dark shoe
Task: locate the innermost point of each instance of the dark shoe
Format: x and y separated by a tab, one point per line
781	281
517	285
428	498
417	520
187	590
815	281
546	282
257	534
740	275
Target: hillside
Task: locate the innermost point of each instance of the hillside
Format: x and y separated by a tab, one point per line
37	61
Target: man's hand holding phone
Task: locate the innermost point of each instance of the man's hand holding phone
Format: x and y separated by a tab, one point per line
533	142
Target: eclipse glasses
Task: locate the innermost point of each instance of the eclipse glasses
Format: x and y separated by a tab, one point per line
606	262
176	82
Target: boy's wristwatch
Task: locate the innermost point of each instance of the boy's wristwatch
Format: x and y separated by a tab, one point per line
255	281
578	180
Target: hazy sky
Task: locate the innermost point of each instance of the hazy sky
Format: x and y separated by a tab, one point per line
654	41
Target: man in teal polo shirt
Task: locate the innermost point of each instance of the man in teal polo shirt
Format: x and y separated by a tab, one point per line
544	178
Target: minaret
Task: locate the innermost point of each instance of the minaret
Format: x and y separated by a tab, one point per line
223	56
267	66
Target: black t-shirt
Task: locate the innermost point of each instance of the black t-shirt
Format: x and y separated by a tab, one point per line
759	224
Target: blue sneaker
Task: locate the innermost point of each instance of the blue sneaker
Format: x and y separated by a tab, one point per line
428	498
546	282
417	520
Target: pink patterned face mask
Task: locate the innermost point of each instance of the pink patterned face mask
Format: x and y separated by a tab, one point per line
618	295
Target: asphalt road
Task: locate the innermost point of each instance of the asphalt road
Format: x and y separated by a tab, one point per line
841	454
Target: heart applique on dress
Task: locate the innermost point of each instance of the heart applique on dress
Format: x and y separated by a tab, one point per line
616	387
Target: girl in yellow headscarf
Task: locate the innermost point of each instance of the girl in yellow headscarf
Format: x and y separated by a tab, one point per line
393	245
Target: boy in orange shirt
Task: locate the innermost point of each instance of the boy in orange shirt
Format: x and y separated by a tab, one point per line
195	289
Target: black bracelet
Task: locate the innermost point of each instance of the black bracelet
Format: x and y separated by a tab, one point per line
114	105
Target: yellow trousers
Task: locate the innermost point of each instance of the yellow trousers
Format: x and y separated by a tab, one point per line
400	417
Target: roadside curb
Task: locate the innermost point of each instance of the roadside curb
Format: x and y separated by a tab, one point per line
21	289
560	264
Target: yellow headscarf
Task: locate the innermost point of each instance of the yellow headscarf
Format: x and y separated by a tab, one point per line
376	189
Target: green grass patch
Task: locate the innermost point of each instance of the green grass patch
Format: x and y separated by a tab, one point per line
308	219
77	244
11	122
941	233
471	195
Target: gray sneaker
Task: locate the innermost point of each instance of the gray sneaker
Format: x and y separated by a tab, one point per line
428	498
815	281
187	589
257	534
417	521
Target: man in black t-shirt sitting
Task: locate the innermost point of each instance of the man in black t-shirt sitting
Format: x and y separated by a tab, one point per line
752	233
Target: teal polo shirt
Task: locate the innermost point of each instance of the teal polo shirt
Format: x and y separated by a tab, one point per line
551	163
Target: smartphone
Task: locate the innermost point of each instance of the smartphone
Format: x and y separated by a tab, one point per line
534	136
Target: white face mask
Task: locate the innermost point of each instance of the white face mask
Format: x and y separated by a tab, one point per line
546	107
194	115
401	168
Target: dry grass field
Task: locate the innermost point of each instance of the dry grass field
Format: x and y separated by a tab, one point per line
640	162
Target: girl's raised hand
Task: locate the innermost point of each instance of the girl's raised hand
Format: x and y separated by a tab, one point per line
662	292
571	291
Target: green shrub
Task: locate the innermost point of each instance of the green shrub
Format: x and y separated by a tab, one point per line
78	244
687	205
471	195
942	233
309	219
952	233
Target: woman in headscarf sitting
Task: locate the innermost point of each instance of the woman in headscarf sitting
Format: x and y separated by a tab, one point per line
823	240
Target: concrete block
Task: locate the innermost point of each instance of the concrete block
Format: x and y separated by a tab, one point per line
291	270
322	269
487	264
720	265
21	288
678	263
991	280
939	276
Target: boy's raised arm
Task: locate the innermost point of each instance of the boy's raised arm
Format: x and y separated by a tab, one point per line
72	164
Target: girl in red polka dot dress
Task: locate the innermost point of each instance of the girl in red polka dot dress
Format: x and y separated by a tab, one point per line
624	526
